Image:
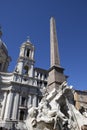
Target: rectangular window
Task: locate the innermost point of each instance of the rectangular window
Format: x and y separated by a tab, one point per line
22	114
23	101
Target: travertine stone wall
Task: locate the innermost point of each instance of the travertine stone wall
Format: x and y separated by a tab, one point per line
80	98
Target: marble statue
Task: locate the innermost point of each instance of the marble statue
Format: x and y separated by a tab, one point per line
56	111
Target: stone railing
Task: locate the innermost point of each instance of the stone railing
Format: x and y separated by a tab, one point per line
24	79
6	77
14	77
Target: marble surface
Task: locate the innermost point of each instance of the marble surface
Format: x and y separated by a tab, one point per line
56	111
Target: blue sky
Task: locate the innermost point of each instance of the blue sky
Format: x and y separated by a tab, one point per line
22	18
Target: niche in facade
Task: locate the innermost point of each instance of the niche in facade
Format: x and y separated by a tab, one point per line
25	70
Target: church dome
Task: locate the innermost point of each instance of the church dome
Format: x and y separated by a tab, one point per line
3	47
4	57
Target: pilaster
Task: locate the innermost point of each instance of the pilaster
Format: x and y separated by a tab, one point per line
8	108
4	105
29	100
34	100
15	107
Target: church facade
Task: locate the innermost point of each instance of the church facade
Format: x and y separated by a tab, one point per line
25	86
21	88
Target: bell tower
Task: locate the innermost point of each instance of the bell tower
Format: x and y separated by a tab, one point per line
26	61
56	72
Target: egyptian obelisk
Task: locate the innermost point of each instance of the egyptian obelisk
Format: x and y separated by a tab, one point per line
56	72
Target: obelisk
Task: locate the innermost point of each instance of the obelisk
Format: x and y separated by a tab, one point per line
54	52
56	76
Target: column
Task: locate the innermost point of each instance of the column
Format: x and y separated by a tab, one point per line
30	72
8	106
20	66
42	76
39	76
20	100
15	106
4	104
21	52
35	82
32	54
29	100
34	101
19	114
38	100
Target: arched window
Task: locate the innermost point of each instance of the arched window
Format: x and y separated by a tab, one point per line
28	53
